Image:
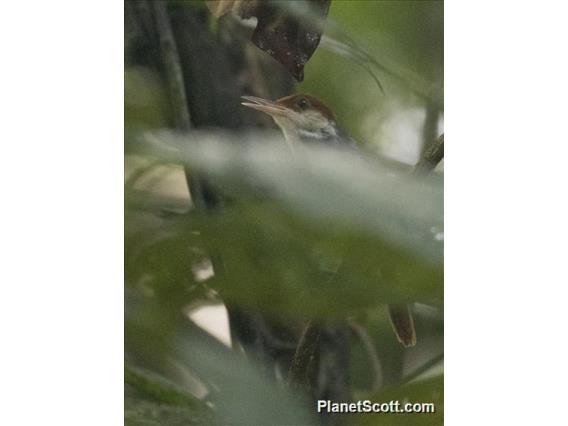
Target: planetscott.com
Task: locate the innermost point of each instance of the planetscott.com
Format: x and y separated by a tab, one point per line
368	406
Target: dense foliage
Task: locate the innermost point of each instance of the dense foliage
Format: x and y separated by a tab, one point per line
312	234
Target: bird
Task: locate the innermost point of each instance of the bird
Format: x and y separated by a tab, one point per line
304	119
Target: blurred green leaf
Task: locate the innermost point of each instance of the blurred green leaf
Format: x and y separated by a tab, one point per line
329	231
139	412
325	184
237	389
146	105
160	389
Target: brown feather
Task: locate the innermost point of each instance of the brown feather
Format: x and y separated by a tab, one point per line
314	103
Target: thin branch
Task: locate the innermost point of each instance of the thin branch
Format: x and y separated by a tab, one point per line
432	155
172	66
201	193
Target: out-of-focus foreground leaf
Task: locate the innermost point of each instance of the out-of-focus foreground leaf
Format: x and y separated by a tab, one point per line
156	400
330	232
139	412
198	364
290	32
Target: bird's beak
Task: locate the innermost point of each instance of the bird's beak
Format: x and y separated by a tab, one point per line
268	107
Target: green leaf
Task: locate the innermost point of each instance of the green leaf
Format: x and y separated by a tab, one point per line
238	391
317	232
159	388
138	412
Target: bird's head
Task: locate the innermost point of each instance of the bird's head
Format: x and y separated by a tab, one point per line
301	117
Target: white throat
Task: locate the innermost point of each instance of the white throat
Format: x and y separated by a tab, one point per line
294	136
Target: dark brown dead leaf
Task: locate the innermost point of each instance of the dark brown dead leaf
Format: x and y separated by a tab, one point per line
290	32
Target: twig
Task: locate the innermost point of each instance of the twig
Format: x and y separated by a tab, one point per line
303	363
172	66
201	193
432	155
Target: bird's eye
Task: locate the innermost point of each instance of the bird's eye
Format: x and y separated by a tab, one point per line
303	104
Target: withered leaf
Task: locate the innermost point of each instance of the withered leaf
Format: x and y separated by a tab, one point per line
288	31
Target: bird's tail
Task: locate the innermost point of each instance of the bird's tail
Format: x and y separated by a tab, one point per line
403	324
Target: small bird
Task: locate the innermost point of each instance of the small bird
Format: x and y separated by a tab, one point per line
302	119
305	119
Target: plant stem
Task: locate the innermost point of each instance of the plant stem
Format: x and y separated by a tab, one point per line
172	66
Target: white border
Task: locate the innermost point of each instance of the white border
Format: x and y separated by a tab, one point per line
506	210
506	137
61	308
